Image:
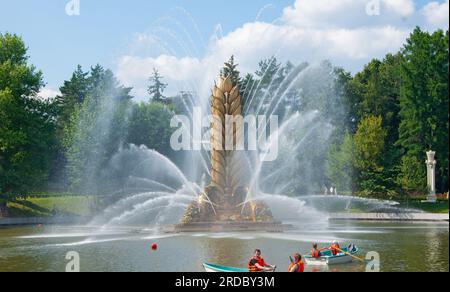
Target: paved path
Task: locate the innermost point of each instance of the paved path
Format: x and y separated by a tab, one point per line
39	220
390	216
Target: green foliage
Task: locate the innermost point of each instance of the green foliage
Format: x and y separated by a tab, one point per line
263	91
340	164
369	143
73	93
385	118
16	74
149	125
412	175
96	130
230	69
424	102
377	91
27	128
156	87
408	92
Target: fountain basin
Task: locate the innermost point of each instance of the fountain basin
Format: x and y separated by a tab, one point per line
227	226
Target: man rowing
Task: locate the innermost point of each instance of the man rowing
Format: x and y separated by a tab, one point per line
316	253
335	248
257	263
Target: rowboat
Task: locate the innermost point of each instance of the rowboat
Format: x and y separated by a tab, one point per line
211	268
328	258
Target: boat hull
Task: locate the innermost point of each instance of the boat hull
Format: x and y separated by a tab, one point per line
329	259
211	268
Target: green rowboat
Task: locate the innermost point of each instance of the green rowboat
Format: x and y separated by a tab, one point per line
211	268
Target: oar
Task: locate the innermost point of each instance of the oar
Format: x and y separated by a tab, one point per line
349	254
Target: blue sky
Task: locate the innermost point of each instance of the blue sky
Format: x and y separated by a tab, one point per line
121	35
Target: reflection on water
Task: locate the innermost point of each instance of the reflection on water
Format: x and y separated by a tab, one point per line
402	247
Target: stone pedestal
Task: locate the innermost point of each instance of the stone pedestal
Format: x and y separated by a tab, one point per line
431	175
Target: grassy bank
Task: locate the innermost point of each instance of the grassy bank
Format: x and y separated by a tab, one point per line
47	205
440	207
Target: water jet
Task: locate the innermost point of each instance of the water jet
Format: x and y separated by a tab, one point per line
227	204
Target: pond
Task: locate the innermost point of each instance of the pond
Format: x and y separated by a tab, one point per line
402	247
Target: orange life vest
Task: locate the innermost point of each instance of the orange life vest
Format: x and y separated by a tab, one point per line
301	267
315	253
252	265
335	248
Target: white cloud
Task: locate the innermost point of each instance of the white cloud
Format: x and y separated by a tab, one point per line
437	14
403	8
346	13
309	30
48	93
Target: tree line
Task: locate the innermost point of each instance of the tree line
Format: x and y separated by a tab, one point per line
384	119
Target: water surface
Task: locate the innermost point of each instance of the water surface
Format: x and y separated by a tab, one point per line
402	247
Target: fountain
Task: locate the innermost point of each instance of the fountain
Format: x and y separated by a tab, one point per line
234	189
226	203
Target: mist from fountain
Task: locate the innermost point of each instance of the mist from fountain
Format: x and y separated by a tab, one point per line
149	189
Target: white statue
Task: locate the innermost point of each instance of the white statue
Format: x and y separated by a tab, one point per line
431	175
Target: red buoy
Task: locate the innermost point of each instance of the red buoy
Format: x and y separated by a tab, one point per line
154	246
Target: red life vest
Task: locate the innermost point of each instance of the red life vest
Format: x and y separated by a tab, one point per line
252	264
315	253
335	248
300	269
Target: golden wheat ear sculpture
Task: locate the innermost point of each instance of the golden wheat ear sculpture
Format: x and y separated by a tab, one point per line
226	198
225	101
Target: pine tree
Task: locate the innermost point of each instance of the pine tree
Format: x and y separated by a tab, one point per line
424	102
73	93
230	69
157	87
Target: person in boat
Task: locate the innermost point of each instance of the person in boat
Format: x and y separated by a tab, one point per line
335	248
257	263
297	265
316	253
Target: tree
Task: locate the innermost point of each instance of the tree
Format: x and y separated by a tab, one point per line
340	165
412	176
230	69
149	125
156	87
369	146
248	87
96	131
376	91
27	128
369	143
73	93
424	103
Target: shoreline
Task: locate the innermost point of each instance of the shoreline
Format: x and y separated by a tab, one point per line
380	217
392	217
26	221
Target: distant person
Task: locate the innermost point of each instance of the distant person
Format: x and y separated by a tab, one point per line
257	263
335	248
316	252
297	265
